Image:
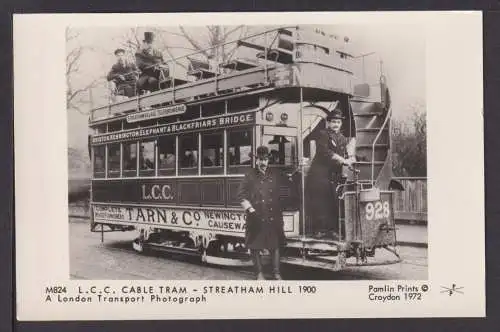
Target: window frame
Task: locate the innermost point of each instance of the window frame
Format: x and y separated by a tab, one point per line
188	171
172	170
213	170
113	173
130	173
94	160
240	168
146	172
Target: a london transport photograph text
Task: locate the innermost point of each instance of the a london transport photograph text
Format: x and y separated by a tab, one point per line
247	153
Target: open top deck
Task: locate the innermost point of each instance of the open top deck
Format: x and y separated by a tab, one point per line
282	57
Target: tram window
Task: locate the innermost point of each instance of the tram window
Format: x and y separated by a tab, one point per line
281	148
130	159
166	155
115	126
113	160
147	158
239	151
99	159
212	153
188	154
212	109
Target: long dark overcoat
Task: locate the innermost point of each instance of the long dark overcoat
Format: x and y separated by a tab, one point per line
264	228
324	174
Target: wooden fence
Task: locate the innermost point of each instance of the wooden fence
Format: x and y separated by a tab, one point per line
410	205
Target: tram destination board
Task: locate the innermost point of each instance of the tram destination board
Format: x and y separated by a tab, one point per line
157	113
305	164
175	128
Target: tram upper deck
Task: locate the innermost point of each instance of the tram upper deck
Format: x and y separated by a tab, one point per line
285	57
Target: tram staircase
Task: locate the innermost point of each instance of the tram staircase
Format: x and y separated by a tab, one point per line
373	159
371	118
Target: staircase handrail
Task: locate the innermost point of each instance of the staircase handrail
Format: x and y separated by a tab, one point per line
386	121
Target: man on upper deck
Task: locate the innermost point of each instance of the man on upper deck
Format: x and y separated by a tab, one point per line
123	75
151	63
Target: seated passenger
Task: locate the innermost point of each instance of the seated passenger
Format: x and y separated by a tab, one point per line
147	164
167	160
123	75
150	61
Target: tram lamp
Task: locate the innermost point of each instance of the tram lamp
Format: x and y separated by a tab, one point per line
269	116
284	117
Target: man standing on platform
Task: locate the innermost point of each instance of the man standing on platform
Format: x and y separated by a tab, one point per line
259	195
332	152
150	61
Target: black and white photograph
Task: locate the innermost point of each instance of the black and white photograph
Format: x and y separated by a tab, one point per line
170	164
247	152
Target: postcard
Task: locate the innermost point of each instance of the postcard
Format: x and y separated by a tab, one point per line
249	165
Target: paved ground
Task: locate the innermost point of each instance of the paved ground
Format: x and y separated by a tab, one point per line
411	234
115	260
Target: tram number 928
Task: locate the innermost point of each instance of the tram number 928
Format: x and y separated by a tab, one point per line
377	210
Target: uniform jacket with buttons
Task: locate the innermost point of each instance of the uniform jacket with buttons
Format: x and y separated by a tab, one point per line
263	193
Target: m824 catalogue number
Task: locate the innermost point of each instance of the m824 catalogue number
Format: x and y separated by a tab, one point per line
55	289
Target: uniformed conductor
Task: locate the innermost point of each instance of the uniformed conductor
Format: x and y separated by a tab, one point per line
325	174
259	196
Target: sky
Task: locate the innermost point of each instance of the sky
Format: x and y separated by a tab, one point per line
401	48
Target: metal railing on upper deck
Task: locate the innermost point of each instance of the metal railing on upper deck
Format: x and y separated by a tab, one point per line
265	42
218	60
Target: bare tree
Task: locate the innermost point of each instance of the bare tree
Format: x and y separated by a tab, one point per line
77	92
409	139
217	36
208	43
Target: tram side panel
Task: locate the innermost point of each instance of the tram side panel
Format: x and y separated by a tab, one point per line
371	222
180	204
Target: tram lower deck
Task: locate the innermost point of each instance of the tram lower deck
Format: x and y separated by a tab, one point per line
203	218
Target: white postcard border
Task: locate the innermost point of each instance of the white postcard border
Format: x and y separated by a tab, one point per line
455	171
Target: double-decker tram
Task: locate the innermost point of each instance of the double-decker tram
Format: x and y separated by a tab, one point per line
168	164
